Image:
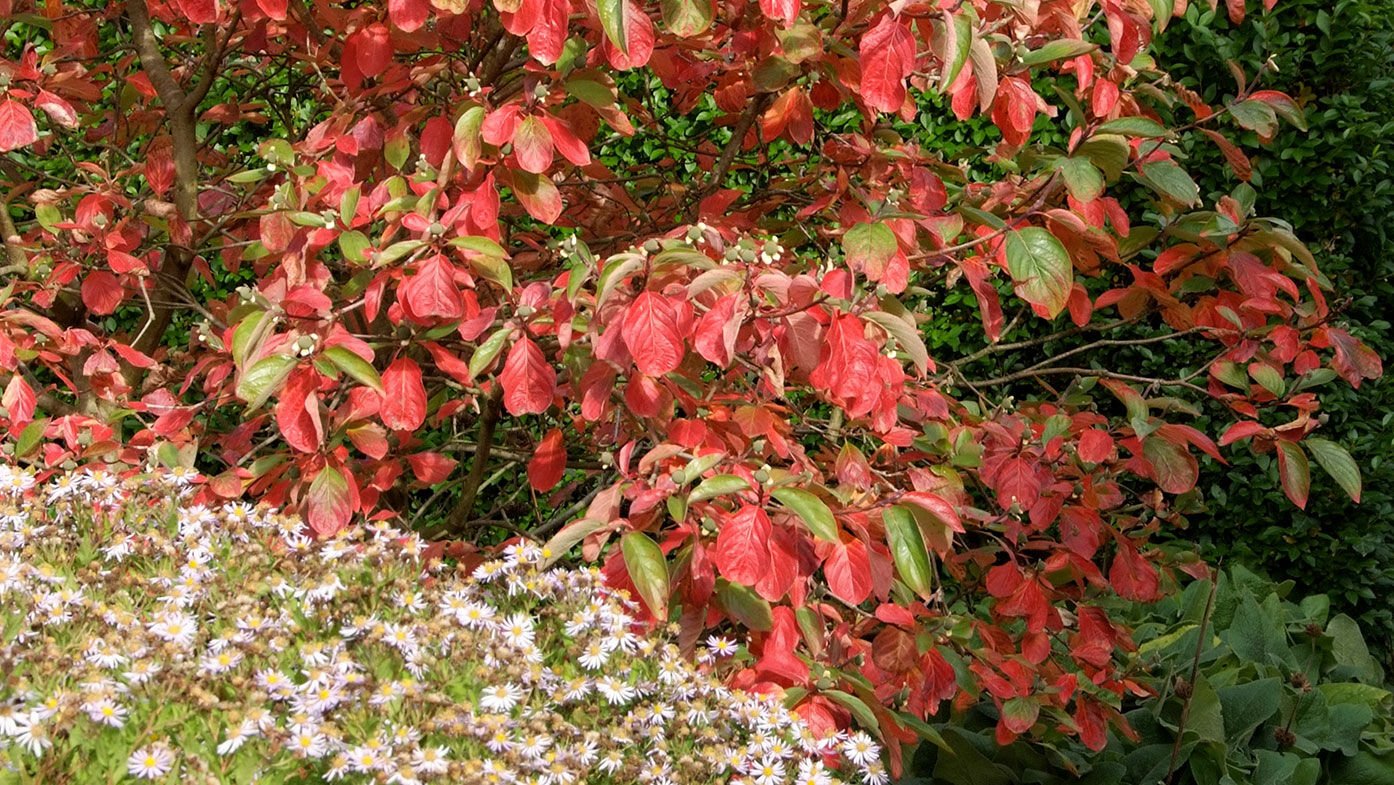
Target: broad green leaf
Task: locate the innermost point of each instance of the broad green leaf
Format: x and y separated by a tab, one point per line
1171	181
1132	126
30	437
360	369
612	22
908	550
811	510
649	571
1335	461
865	717
958	41
1061	49
354	246
567	538
264	378
1083	179
747	607
1256	116
686	18
907	337
468	141
720	485
1040	266
487	351
248	335
1108	152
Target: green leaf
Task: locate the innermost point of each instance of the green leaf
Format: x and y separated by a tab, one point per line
1083	179
30	437
248	335
1256	633
1171	181
487	351
686	18
747	607
719	485
869	245
908	550
811	510
1247	706
1336	461
1040	266
906	336
958	40
1132	126
649	571
1061	49
865	717
354	246
360	369
566	539
612	22
264	378
1256	116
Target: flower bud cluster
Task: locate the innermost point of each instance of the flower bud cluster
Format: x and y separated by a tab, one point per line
150	638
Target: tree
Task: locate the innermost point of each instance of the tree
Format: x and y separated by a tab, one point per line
683	256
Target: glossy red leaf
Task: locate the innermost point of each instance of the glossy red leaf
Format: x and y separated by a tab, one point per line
548	462
887	56
741	553
528	381
404	396
652	332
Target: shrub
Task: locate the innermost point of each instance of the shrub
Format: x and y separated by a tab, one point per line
677	260
1244	684
175	642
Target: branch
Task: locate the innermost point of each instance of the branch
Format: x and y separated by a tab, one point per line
752	112
148	48
1034	372
488	421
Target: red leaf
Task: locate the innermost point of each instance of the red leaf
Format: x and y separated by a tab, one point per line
370	48
1095	446
1173	467
431	467
1018	482
777	656
199	12
1132	576
58	110
404	396
431	293
652	333
565	140
330	503
538	195
1295	472
548	463
785	11
848	570
102	292
742	551
638	34
893	650
19	401
887	57
407	15
717	330
276	9
297	411
532	146
528	381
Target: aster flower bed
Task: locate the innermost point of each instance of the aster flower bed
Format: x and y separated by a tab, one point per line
151	639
